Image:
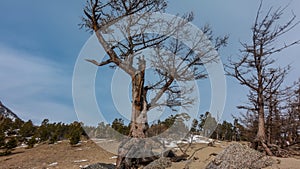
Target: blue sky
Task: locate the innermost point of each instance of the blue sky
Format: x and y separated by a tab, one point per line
40	42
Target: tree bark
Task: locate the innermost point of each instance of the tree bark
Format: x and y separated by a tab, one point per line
139	122
261	134
270	121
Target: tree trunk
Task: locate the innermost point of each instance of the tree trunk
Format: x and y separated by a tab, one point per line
139	123
261	134
269	128
260	138
270	122
139	107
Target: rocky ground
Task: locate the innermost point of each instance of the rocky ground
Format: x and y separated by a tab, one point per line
64	156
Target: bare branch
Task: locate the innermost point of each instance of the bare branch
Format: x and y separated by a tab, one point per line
99	64
162	91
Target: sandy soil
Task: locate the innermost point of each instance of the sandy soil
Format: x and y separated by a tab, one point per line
286	163
64	156
61	155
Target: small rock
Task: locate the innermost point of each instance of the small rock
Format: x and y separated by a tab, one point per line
100	166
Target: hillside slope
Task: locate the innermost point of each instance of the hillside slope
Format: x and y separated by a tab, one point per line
7	113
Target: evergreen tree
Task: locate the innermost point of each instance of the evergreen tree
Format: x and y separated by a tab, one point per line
9	146
44	131
75	132
31	142
27	129
2	139
118	125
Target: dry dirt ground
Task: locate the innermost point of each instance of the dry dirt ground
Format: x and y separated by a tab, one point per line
60	155
64	156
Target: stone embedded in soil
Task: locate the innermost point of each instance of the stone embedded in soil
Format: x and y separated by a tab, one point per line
100	166
237	156
160	163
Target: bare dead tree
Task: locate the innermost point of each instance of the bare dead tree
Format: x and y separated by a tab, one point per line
171	60
272	107
255	67
276	106
291	115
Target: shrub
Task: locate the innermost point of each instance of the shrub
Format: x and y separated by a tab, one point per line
9	146
31	142
74	137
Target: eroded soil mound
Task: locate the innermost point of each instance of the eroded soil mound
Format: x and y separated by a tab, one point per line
237	156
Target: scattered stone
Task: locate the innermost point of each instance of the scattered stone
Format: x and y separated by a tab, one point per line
169	153
100	166
211	143
213	154
182	157
160	163
237	156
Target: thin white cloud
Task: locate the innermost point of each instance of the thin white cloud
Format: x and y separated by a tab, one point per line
35	87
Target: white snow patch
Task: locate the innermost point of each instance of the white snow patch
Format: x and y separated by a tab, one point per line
83	166
113	157
53	164
98	139
23	145
191	139
78	144
182	142
80	161
172	144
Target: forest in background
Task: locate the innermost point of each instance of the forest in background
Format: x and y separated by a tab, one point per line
282	126
270	119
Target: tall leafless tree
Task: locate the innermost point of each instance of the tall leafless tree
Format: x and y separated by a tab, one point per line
291	116
172	61
255	68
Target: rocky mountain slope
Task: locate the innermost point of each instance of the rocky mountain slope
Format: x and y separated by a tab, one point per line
7	113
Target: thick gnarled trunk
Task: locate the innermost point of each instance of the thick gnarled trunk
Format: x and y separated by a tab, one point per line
261	135
139	121
260	138
134	148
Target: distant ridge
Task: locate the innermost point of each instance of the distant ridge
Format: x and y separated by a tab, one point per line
7	113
